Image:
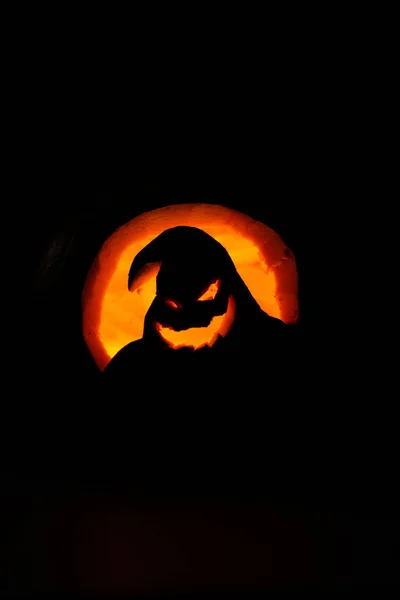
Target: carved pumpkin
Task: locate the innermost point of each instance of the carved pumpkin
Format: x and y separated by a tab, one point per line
113	316
195	337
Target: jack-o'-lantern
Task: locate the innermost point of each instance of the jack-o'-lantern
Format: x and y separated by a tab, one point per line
192	305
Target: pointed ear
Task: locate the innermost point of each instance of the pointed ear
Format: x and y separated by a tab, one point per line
154	252
149	270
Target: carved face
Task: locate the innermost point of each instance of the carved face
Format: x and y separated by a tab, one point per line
113	316
192	309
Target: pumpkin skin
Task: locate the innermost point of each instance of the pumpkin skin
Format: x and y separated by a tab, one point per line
112	316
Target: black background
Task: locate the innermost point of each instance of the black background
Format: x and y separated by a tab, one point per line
289	122
340	491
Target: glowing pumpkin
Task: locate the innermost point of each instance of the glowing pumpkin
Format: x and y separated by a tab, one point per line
113	316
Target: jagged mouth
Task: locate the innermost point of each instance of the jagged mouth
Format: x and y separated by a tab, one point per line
197	337
179	327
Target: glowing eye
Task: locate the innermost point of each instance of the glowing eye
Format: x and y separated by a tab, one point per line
210	292
172	304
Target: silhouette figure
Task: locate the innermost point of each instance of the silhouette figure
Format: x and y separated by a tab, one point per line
191	263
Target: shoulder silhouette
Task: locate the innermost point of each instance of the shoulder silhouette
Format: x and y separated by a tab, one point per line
197	283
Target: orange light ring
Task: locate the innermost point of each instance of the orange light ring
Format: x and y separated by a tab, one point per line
104	303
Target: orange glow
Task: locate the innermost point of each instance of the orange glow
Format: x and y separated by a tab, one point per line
200	336
211	292
172	304
113	316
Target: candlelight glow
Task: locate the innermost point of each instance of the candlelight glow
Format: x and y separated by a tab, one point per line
113	316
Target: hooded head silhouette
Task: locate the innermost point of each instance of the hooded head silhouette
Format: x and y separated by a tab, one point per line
196	282
193	281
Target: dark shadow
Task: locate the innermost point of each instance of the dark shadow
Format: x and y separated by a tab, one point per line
266	458
189	262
